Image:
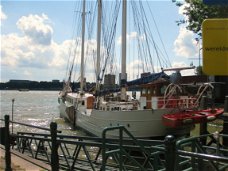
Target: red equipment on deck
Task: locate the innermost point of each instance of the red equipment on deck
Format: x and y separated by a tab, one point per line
188	117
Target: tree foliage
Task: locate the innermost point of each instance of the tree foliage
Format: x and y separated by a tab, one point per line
196	12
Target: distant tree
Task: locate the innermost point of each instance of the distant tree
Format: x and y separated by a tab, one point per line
199	70
196	12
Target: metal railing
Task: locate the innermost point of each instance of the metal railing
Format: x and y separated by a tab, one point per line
150	153
192	154
85	153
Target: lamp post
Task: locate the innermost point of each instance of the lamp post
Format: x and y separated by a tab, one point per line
200	48
199	55
12	113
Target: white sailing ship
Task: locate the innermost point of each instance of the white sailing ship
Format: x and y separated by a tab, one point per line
142	116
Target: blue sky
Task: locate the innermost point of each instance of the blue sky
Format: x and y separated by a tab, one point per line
35	38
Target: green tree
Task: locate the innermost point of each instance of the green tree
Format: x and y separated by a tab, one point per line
199	70
196	12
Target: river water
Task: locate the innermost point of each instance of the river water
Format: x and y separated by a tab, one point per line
38	108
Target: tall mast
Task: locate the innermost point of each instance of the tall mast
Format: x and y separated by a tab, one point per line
82	47
99	13
123	75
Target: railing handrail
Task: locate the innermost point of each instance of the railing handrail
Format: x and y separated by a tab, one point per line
84	142
203	156
188	140
145	142
28	125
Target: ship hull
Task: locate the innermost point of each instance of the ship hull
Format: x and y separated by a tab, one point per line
140	123
145	123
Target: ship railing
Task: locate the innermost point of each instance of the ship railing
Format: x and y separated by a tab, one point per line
202	91
179	102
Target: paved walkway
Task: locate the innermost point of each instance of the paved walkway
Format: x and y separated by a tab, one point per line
20	162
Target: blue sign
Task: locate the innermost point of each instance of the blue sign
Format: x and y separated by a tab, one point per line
215	2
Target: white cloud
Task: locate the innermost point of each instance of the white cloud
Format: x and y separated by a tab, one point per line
131	36
185	45
32	61
35	58
134	69
37	28
33	53
183	72
27	73
17	50
2	14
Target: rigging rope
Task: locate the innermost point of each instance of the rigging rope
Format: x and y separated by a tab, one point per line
159	35
144	38
109	35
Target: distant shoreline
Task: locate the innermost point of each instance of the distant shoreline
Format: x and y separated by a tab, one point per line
30	90
27	85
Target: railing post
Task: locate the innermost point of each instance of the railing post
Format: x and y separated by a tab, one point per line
203	125
12	113
54	149
225	122
121	145
170	153
103	150
7	145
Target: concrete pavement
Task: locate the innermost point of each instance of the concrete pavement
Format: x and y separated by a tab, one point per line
21	162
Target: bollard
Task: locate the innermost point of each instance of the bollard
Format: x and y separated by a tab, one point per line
203	125
225	122
7	145
170	153
54	149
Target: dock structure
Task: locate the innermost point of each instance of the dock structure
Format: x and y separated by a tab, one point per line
64	152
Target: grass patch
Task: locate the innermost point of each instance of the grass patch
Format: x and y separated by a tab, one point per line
212	127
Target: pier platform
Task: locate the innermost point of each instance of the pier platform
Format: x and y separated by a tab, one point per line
21	162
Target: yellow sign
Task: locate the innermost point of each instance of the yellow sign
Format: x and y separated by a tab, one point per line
215	46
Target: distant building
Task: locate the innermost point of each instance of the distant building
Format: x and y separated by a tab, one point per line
19	81
55	81
109	81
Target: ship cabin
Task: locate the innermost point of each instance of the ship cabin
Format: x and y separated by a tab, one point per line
151	94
